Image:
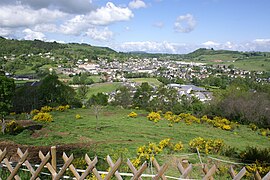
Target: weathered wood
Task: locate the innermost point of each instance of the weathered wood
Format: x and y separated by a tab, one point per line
210	173
158	168
232	172
89	168
53	154
42	164
49	166
111	164
3	154
65	166
257	176
240	174
94	170
137	174
160	173
113	169
184	172
71	167
17	167
267	176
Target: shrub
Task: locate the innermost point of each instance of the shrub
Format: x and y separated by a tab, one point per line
43	117
34	112
254	154
61	108
146	152
206	145
253	126
13	128
132	115
189	119
78	116
46	109
154	116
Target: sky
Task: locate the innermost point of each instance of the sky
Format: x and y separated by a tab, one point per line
154	26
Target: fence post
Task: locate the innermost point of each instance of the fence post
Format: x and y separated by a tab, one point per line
53	153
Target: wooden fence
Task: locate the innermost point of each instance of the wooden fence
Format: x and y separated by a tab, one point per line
49	161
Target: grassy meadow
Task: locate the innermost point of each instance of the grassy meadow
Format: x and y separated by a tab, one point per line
117	130
118	135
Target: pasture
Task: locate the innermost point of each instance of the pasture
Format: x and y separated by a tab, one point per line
115	130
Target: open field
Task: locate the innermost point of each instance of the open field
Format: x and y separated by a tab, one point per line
103	87
117	130
151	81
118	135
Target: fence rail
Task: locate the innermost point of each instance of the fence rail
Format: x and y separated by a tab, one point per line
49	162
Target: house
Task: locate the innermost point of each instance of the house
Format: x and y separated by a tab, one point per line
191	90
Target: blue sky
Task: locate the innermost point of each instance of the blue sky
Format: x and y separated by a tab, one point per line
162	26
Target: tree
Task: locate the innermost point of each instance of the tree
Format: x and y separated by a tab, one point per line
53	92
123	97
142	95
99	99
82	92
7	88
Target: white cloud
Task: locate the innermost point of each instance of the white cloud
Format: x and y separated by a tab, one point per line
185	23
68	6
136	4
153	47
24	16
109	14
210	44
102	16
262	41
5	32
31	35
99	35
158	24
46	28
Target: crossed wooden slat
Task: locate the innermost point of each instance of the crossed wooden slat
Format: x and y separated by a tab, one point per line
183	171
136	173
209	173
113	168
160	170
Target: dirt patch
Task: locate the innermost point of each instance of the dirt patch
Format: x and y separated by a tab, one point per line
34	150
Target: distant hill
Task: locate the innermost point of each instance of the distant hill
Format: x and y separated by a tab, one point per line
18	47
204	51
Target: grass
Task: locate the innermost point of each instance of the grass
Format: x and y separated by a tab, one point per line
152	81
117	131
103	87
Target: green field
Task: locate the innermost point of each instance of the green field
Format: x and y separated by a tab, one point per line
151	81
103	87
118	133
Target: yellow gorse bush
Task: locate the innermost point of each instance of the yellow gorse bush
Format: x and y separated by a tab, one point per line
34	112
132	114
149	151
46	109
43	117
154	116
77	116
206	145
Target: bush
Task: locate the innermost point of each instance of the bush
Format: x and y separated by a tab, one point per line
154	116
61	108
206	145
34	112
254	154
78	116
46	109
13	128
43	117
132	115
